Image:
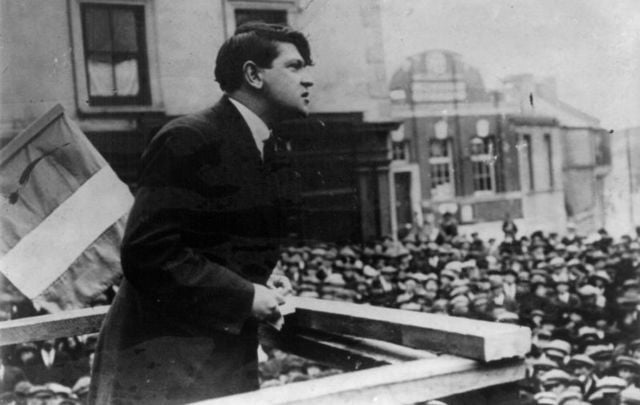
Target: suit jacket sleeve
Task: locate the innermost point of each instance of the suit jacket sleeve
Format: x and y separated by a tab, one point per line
174	250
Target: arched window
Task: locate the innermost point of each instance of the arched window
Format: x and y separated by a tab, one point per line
483	159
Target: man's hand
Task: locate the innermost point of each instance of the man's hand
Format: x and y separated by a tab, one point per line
266	302
280	283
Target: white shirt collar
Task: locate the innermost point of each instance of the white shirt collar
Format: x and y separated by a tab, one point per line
259	129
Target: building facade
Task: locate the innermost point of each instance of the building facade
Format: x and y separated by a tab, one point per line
487	155
122	68
622	185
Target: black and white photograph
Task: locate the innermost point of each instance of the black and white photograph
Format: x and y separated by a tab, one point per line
430	202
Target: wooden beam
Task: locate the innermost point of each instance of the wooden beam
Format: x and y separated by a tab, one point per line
29	133
480	340
404	383
486	341
62	324
348	352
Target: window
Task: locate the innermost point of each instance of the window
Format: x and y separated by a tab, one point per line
115	59
269	16
483	165
549	150
400	151
527	145
441	169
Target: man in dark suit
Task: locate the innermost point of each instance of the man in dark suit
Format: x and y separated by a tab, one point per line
202	237
10	376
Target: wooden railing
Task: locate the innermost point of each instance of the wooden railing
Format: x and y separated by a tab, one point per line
411	356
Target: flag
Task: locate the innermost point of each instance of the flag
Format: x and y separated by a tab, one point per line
62	216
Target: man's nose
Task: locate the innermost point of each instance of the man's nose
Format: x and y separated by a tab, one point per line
307	80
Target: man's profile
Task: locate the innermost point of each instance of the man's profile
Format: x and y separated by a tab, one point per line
202	237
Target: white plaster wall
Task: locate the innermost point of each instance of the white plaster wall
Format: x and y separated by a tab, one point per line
190	33
346	44
622	203
35	61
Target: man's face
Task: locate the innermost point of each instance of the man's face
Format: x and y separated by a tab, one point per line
286	83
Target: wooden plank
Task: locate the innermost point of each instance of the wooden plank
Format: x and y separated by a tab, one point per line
480	340
62	324
348	352
330	353
30	132
486	341
404	383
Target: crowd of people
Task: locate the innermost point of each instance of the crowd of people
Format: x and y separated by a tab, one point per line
579	295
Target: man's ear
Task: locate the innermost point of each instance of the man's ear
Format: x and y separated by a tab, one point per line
252	74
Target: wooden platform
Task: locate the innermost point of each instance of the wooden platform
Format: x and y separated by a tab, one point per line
393	356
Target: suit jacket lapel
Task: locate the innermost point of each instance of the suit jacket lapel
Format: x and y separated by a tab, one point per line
237	132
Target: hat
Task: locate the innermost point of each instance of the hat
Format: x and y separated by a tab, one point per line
627	362
455	266
439	305
558	345
567	396
460	290
602	275
599	352
630	396
26	347
460	300
22	388
59	389
40	391
544	363
556	376
318	252
448	273
309	294
507	317
347	252
588	291
369	271
635	344
469	263
611	384
495	280
539	272
411	306
573	248
581	360
589	331
546	398
629	299
335	279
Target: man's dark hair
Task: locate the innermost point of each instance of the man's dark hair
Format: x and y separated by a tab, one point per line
257	42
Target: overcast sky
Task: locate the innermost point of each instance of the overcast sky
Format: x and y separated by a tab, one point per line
591	47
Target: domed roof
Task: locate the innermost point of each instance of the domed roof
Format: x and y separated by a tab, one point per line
437	76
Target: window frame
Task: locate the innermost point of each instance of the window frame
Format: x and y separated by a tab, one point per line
548	143
484	160
400	151
289	6
435	162
149	102
527	140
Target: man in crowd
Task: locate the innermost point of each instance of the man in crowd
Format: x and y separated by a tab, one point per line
203	235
